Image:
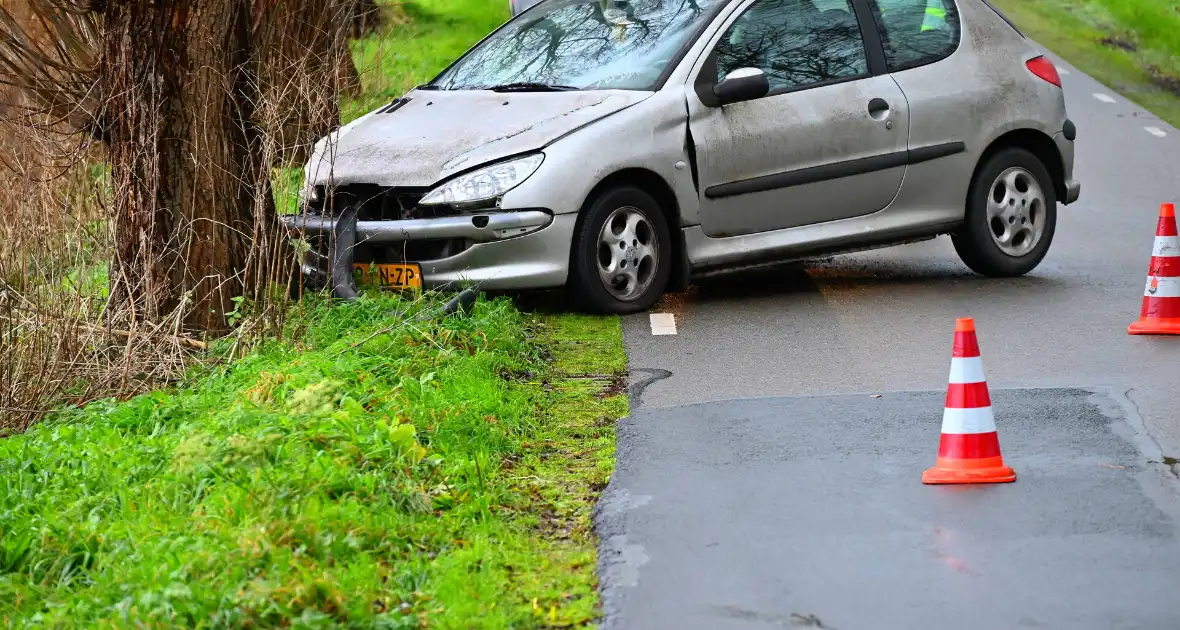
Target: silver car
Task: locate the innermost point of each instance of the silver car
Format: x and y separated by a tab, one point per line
621	148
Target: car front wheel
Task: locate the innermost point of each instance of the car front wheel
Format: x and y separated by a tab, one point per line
622	252
1011	215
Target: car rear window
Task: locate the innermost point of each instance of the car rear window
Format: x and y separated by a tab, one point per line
916	32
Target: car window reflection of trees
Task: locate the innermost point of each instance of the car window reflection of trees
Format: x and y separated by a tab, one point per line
570	43
793	46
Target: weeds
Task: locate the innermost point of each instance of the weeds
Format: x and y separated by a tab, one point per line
372	474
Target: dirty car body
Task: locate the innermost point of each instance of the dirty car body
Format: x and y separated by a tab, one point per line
620	149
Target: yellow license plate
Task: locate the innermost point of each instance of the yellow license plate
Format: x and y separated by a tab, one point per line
389	275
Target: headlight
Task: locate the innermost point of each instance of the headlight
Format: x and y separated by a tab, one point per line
486	183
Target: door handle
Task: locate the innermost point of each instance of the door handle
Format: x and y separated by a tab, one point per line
878	108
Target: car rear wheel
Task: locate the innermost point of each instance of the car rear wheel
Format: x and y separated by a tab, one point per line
622	252
1011	215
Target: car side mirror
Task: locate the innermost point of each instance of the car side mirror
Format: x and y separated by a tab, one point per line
743	84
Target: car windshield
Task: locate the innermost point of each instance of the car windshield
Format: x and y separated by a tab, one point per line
581	44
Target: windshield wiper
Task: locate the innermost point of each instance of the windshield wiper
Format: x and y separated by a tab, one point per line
528	86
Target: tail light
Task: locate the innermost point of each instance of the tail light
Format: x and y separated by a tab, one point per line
1042	67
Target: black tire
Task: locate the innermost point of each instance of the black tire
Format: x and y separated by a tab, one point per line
973	241
586	287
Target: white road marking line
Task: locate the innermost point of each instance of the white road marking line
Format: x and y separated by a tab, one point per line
663	324
1105	98
1062	71
1156	131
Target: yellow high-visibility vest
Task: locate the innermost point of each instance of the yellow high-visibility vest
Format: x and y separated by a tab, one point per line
935	17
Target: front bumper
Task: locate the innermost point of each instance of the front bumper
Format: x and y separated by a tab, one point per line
524	249
481	228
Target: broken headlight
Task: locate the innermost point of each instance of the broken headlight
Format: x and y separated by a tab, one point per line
485	183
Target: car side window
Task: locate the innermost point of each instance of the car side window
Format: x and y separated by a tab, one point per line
795	42
916	32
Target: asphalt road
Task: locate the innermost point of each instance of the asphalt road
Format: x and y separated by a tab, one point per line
809	512
884	320
760	483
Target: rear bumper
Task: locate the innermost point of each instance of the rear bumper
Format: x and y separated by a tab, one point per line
507	250
1064	140
1073	190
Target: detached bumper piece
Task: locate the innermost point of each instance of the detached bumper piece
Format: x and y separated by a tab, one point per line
345	232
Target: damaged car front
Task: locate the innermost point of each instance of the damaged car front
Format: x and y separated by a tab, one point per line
454	183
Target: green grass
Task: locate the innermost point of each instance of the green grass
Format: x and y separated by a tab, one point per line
375	473
1133	46
431	34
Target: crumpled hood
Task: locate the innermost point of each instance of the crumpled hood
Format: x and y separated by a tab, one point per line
439	133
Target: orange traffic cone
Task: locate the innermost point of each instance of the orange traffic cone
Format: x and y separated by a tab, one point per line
969	450
1160	314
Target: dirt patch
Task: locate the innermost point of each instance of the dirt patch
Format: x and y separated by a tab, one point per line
516	376
1158	77
613	384
1119	41
605	421
617	385
1163	79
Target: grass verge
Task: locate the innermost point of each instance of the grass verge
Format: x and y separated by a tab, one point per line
388	469
1132	47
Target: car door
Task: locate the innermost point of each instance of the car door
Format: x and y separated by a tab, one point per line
952	98
827	142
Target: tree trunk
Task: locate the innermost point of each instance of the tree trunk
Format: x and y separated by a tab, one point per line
194	216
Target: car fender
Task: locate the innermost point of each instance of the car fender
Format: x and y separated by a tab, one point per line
649	135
